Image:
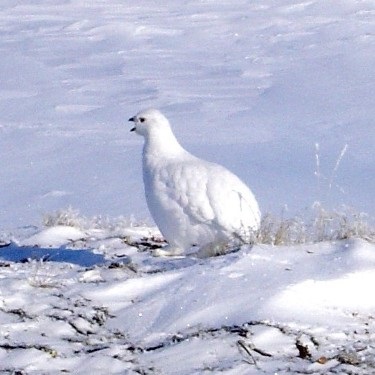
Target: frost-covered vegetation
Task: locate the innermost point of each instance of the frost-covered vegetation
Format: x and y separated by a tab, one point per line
73	218
317	225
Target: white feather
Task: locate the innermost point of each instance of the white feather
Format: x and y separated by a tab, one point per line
192	201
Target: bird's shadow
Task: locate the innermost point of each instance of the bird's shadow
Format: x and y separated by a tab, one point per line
23	254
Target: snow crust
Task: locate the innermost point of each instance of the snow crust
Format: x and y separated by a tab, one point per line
104	304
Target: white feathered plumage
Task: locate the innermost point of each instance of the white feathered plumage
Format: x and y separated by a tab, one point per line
192	201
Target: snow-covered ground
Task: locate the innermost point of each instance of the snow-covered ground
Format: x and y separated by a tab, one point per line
280	92
118	310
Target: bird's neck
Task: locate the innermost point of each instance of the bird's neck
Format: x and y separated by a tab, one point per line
161	146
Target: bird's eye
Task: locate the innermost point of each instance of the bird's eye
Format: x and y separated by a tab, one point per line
142	119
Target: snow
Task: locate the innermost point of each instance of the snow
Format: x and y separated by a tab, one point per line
265	88
55	236
245	84
246	312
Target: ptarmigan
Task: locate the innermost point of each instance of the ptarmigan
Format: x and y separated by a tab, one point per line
192	201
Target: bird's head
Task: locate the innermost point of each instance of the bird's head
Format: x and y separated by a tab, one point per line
148	121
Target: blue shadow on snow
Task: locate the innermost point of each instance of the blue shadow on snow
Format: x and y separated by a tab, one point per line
22	254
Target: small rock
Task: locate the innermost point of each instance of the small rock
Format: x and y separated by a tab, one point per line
322	360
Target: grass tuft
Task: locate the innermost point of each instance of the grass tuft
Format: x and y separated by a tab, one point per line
73	218
321	225
67	217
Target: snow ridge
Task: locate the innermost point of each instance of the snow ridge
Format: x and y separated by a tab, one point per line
262	310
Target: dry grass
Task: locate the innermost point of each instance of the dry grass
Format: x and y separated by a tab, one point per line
319	225
73	218
68	217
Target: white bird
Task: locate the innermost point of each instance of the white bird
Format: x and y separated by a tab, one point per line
192	201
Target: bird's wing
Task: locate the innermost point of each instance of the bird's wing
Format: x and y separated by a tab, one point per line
205	192
185	185
233	203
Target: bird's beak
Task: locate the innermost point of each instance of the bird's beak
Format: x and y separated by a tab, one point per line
133	120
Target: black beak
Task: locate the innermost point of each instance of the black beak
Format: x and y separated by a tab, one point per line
132	119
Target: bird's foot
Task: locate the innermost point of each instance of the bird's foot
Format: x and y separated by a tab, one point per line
167	251
212	249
